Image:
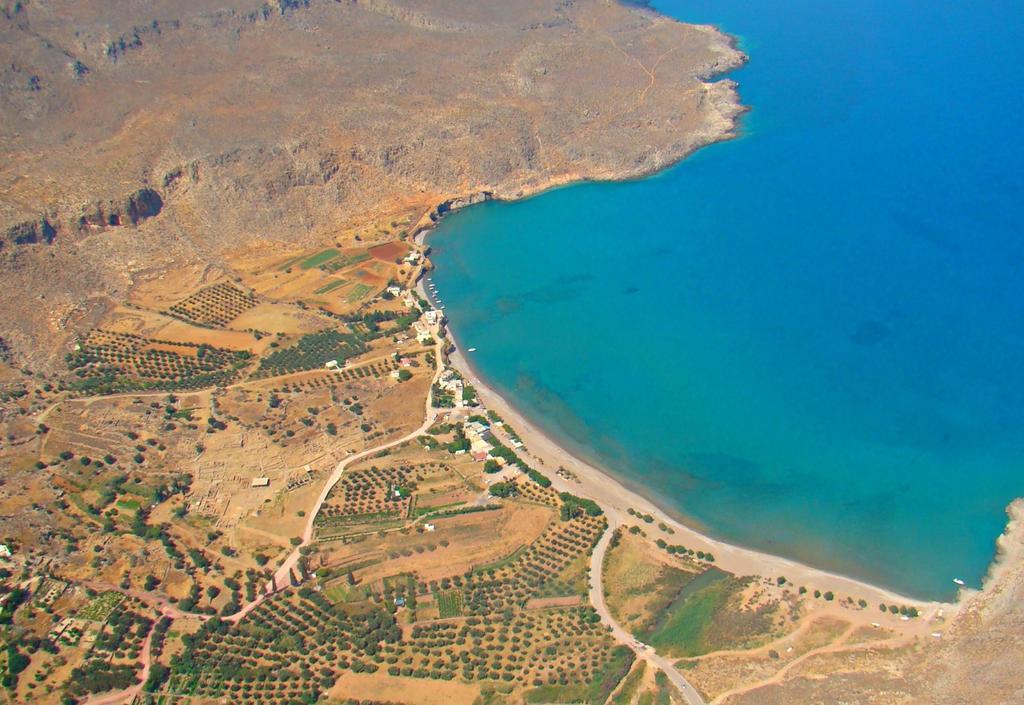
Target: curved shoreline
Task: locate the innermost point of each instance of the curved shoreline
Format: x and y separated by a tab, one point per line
601	484
616	498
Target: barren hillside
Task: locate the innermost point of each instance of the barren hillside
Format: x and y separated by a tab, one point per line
139	135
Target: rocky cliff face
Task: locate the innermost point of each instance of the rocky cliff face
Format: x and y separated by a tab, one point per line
130	210
29	232
141	135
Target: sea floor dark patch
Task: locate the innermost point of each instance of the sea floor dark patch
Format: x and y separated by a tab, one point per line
870	333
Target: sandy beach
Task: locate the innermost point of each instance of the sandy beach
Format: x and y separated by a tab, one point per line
616	499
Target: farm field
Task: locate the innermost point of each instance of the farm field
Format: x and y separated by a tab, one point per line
337	280
178	474
215	305
399	689
153	324
469	631
100	607
109	362
319	259
330	286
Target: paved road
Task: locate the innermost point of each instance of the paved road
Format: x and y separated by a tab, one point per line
689	693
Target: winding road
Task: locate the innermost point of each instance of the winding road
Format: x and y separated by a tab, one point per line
283	575
622	636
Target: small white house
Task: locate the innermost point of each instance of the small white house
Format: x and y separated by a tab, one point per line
331	364
395	291
4	551
261	482
429	527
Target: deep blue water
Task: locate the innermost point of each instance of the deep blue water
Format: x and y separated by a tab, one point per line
808	340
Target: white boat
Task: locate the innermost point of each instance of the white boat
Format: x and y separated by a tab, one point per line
471	350
958	581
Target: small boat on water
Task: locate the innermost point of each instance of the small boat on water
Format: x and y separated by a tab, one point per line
471	350
959	582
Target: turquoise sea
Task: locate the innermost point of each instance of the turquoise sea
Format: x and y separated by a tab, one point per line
809	340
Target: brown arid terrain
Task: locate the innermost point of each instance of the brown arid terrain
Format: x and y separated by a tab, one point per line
137	136
243	460
978	660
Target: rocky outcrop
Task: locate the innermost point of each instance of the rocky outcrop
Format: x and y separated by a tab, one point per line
132	210
181	175
278	7
455	204
119	46
29	232
128	211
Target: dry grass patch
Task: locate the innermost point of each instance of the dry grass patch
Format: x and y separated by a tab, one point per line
409	691
472	540
639	583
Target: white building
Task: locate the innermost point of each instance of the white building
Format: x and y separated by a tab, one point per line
477	429
423	332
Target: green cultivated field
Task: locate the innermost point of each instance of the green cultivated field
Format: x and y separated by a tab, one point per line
345	261
330	286
359	291
319	258
100	607
449	603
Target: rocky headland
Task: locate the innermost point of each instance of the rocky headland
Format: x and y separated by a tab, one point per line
140	136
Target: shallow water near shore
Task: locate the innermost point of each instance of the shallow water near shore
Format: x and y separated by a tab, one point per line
810	339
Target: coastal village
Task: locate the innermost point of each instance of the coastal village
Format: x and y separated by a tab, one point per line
247	459
283	483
